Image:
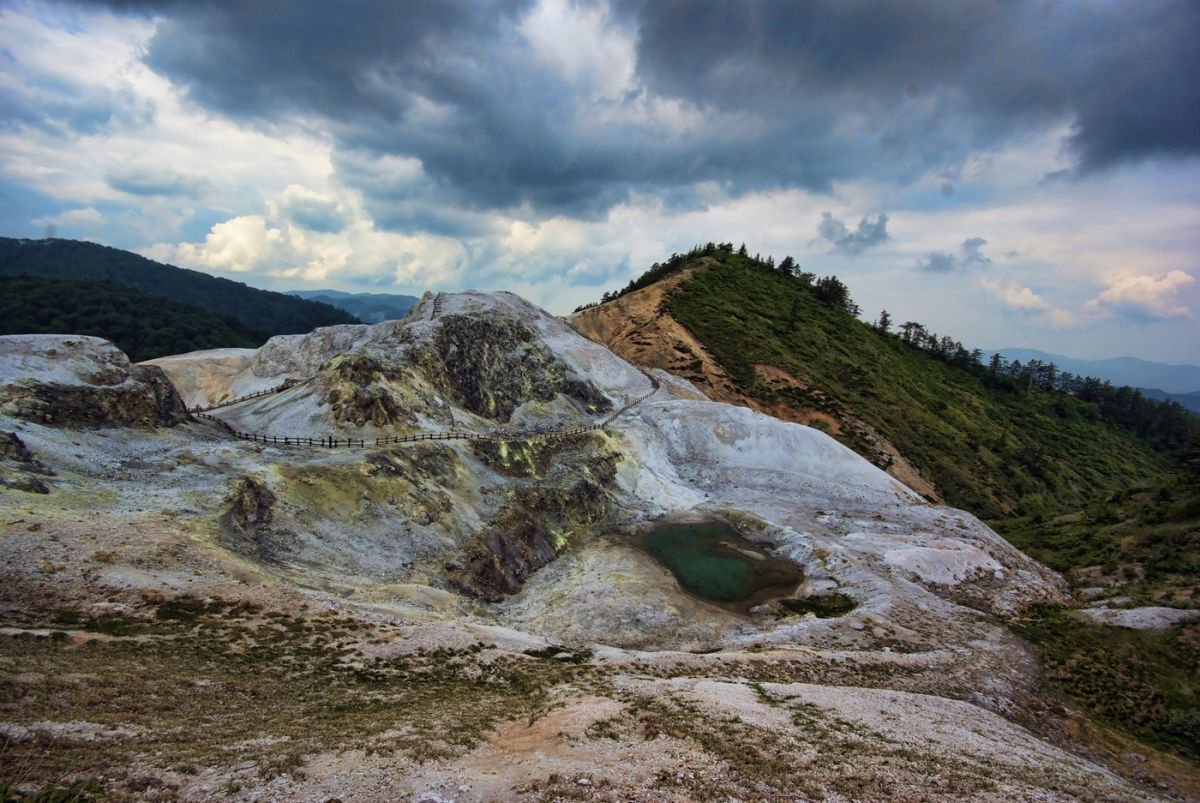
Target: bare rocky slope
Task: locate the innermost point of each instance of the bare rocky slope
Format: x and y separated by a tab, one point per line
188	615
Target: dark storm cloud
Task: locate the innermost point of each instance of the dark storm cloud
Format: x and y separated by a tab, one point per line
1123	72
869	233
970	255
313	213
794	94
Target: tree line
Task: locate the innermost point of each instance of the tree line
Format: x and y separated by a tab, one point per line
827	289
262	312
1166	423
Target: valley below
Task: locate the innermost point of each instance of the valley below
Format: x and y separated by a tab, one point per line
618	587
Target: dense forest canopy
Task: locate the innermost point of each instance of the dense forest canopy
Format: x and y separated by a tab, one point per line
143	326
260	311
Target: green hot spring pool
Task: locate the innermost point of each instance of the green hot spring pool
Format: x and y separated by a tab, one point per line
713	562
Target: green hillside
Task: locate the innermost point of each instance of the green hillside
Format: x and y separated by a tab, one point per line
143	326
260	311
1047	468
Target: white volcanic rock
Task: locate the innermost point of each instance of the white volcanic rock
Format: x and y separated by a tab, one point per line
61	359
82	381
205	378
853	527
409	366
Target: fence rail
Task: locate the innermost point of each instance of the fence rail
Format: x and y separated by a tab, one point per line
335	442
287	383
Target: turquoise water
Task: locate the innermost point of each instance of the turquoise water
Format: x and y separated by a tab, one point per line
710	560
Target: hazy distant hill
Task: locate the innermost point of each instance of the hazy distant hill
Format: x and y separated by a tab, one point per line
1190	401
367	307
261	311
142	325
1173	379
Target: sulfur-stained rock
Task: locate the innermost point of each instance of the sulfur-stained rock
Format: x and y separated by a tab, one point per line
359	389
531	531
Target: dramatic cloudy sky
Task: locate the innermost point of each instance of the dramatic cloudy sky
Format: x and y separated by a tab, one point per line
1012	173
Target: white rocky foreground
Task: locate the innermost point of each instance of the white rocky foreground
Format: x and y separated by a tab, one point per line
522	544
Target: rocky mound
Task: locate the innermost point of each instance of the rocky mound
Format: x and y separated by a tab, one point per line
472	359
84	382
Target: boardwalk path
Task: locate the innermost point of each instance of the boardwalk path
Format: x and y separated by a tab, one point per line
331	441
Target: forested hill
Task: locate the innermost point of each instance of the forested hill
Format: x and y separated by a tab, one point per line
142	325
1001	440
261	312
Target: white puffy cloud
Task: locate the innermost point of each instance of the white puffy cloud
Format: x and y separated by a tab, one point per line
1145	296
238	245
1023	299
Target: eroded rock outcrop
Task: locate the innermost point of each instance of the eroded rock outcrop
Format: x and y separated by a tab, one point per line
360	389
542	517
249	510
492	366
74	381
19	469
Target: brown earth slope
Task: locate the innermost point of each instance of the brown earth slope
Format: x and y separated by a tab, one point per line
638	327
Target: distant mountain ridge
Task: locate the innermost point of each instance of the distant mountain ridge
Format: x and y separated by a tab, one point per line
1189	401
262	312
367	307
1171	379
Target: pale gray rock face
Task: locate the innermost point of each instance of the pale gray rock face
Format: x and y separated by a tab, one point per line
545	540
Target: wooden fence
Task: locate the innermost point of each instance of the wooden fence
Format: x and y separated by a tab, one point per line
334	442
287	383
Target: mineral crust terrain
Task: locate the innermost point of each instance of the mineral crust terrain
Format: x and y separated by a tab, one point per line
192	615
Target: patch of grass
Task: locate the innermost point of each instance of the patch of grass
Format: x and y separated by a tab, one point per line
229	689
561	654
79	792
66	617
1145	541
1143	682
